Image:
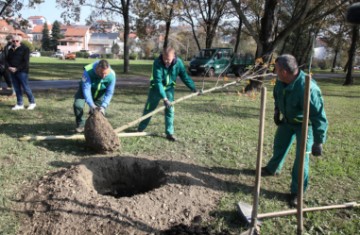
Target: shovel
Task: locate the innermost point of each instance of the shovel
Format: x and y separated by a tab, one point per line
248	213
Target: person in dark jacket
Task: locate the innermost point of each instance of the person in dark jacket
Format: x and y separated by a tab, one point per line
17	63
4	72
165	70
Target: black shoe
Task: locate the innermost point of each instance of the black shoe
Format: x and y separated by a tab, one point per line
171	138
266	172
293	200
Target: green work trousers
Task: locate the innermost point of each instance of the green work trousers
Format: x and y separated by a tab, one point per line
284	138
78	106
151	104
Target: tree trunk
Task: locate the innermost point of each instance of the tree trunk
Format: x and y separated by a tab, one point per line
349	80
167	29
195	37
334	60
125	13
284	45
267	29
296	43
238	35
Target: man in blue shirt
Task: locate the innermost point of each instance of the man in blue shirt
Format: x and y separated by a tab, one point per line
96	89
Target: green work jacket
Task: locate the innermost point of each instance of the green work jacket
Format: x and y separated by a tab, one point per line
163	78
289	99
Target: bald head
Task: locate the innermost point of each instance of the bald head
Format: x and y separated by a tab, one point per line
168	56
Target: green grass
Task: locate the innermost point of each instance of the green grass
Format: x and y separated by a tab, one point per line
49	68
218	130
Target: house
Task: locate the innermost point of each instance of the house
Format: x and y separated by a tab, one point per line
102	43
101	26
6	29
37	32
76	38
37	20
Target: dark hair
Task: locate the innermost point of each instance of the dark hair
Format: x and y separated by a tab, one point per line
287	62
104	64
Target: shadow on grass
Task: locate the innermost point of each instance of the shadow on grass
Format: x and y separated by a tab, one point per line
75	147
111	215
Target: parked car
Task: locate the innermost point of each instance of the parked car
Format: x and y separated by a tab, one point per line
95	55
70	56
35	54
86	51
217	60
58	54
356	67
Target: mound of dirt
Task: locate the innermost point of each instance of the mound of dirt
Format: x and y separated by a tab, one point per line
121	195
99	134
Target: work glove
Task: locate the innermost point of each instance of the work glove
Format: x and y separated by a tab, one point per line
196	91
277	116
316	149
167	103
92	110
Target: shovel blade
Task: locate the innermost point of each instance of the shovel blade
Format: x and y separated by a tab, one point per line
245	212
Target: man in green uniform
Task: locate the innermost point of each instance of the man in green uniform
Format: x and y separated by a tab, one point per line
289	102
96	89
165	70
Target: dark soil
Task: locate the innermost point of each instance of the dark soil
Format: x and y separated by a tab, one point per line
122	195
99	134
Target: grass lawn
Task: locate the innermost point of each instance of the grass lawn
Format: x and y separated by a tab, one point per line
214	130
49	68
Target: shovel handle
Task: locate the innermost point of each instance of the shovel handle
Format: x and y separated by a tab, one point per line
294	211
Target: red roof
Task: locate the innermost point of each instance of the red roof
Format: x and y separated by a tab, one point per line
36	17
6	28
39	28
132	35
73	31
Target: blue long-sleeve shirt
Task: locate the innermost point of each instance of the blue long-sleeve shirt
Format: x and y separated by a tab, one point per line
94	86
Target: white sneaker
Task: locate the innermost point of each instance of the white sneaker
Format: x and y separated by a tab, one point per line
17	107
31	106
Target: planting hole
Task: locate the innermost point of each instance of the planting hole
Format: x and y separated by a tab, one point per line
126	179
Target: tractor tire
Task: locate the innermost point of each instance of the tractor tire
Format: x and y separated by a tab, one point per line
239	71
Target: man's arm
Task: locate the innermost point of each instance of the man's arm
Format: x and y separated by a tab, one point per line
157	78
109	91
25	59
86	89
317	116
